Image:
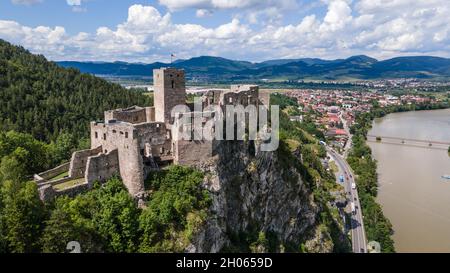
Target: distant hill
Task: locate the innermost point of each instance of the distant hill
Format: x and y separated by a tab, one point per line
44	99
355	67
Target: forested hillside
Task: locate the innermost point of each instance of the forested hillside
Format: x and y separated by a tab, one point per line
43	99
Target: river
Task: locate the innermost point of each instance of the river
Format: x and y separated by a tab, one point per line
414	196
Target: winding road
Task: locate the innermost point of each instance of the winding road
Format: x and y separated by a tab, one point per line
359	242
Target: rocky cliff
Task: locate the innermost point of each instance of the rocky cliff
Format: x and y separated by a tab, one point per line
258	193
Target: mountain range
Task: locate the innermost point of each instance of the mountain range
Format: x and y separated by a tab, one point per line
217	68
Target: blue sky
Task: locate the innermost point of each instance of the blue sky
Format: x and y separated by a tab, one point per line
254	30
90	14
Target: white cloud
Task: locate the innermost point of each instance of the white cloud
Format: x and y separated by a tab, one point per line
200	13
338	15
73	2
379	28
225	4
25	2
77	5
252	10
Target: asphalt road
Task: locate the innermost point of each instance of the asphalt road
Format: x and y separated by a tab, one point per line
359	242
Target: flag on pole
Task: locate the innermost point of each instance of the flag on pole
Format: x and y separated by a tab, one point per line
171	57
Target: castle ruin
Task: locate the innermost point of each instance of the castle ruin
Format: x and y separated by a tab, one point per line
135	141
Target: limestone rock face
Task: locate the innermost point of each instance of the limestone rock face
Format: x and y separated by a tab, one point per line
255	191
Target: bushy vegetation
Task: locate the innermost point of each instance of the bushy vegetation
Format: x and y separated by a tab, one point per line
106	219
22	155
176	210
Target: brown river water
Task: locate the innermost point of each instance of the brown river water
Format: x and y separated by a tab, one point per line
414	196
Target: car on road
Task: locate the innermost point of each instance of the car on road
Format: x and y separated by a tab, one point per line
353	207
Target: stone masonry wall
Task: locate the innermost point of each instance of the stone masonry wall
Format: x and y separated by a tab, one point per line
156	136
150	113
108	136
48	193
102	167
54	172
244	98
73	191
79	161
129	140
132	115
264	98
191	152
170	91
132	167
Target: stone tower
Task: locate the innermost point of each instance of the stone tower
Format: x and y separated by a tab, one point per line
170	91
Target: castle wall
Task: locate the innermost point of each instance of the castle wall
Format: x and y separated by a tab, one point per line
212	97
102	167
73	191
97	132
241	95
150	114
264	98
170	91
48	193
156	136
56	182
111	135
132	167
132	115
79	160
125	138
189	153
54	172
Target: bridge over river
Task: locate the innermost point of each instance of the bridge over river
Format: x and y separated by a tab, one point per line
422	143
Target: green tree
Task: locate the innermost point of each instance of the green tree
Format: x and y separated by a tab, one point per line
25	150
12	169
116	217
175	210
105	219
67	223
62	149
22	216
